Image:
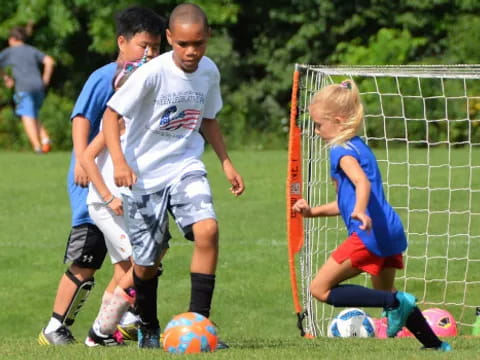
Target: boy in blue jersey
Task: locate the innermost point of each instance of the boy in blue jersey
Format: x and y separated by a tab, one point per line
376	237
137	29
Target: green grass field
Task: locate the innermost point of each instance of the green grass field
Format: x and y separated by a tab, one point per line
436	192
252	303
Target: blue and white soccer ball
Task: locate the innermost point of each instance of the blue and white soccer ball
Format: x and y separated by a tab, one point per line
351	322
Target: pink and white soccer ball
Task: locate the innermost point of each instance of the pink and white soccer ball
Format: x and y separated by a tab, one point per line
380	327
441	321
404	333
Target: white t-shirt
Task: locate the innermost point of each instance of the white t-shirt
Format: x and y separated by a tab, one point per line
105	165
165	107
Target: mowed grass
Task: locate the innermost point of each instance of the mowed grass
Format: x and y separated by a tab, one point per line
436	192
252	304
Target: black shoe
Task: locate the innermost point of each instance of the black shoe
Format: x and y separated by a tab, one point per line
93	339
61	336
221	345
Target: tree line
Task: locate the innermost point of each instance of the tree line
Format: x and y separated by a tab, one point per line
254	43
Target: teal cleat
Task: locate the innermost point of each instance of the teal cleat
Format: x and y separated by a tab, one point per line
398	317
444	347
148	338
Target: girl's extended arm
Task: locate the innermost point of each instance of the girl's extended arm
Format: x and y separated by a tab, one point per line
357	176
329	209
90	166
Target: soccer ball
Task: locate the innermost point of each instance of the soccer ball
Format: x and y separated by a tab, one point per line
380	327
351	323
189	333
441	322
404	333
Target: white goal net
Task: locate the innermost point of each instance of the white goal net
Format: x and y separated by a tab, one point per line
423	124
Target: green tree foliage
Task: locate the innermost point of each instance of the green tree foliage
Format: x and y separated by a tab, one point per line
255	45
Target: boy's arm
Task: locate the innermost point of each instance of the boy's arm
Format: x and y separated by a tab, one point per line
80	131
8	80
213	134
123	175
91	168
48	64
357	176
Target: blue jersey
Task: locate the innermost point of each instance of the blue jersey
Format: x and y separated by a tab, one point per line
91	104
387	236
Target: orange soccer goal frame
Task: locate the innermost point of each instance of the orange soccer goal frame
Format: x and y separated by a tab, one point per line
294	193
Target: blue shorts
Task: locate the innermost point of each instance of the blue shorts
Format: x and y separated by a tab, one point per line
146	216
28	103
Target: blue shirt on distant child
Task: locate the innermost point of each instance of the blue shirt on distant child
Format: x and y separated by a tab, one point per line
387	236
91	104
25	61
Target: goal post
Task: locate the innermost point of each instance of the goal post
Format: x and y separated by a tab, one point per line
423	125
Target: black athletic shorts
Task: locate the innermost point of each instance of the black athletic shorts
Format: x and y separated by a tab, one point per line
86	247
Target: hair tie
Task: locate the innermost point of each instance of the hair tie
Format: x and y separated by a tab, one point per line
346	84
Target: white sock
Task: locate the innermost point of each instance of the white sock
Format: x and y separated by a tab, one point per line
107	296
96	329
129	318
111	315
53	325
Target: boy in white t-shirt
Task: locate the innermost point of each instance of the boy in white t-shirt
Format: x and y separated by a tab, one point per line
167	102
106	209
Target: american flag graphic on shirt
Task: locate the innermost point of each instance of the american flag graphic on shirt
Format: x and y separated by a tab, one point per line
187	119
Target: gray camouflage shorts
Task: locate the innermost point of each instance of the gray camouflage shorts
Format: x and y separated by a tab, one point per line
189	201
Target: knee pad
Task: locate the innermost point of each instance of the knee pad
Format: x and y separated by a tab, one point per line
81	294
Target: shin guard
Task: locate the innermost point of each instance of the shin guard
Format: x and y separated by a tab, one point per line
78	299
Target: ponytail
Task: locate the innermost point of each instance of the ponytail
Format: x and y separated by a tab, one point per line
342	100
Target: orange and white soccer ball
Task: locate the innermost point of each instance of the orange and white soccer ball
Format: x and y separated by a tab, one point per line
189	333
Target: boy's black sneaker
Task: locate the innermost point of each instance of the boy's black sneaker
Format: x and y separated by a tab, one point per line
61	336
93	339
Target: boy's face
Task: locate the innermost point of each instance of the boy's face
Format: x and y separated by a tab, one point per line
133	49
189	43
13	41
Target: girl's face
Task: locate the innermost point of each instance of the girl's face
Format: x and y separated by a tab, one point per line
189	43
133	49
326	125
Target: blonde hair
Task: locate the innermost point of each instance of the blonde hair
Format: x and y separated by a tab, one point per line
341	100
